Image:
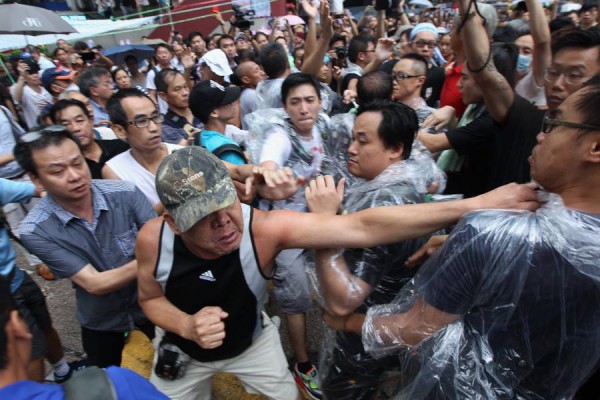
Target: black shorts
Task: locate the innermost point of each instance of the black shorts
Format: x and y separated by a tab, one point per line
31	304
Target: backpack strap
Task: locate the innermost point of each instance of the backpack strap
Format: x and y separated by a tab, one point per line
234	148
91	383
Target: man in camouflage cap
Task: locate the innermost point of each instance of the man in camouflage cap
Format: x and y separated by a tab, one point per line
204	268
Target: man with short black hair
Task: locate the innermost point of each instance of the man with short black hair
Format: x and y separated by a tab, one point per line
354	279
510	304
275	63
85	230
227	44
180	126
74	116
164	55
204	268
361	51
15	350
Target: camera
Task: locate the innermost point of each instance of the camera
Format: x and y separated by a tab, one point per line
34	67
240	18
340	52
171	362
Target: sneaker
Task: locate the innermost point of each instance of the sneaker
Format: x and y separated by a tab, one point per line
73	367
308	383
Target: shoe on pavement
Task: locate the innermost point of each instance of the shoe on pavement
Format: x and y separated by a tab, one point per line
309	382
73	367
43	271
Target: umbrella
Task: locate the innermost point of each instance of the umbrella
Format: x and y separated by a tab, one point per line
421	3
294	20
118	53
30	20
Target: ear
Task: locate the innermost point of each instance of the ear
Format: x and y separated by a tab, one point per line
120	132
169	220
214	113
593	149
421	80
35	179
93	91
245	80
162	95
395	153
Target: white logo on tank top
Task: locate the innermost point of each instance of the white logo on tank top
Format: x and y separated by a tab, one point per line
207	276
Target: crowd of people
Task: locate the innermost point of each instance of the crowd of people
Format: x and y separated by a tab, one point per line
429	176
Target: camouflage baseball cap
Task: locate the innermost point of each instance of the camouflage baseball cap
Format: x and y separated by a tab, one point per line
191	184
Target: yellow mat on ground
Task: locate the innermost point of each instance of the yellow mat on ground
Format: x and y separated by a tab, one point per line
138	355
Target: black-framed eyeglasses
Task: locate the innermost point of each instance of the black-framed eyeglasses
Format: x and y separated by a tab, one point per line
422	43
32	136
549	123
399	76
145	121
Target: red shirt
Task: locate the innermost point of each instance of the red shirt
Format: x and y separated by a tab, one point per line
450	95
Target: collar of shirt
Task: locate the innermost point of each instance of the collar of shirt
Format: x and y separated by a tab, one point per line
98	202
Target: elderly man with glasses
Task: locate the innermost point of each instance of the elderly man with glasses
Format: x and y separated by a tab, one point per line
424	39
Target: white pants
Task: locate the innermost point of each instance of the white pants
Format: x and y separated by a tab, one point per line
262	368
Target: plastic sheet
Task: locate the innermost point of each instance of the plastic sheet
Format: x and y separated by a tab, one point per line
422	169
268	94
262	124
364	278
523	291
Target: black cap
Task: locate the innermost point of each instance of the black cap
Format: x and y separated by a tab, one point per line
209	95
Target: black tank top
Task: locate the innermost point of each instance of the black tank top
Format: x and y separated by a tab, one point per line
233	282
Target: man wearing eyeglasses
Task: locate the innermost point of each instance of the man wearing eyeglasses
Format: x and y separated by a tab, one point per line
409	78
85	230
136	120
511	303
508	132
424	40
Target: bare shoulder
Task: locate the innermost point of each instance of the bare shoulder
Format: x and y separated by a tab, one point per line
147	239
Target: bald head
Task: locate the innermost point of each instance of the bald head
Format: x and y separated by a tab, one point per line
250	74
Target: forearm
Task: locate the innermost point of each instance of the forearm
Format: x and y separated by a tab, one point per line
311	37
385	225
113	279
434	142
313	62
381	24
164	314
19	89
340	290
6	158
373	66
540	31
